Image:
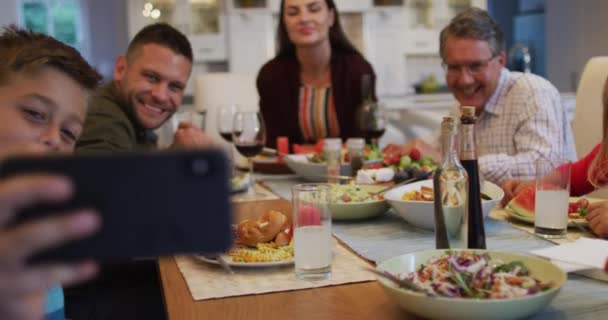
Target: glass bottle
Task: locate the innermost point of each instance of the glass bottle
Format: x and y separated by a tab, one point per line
355	154
331	150
370	118
468	158
450	192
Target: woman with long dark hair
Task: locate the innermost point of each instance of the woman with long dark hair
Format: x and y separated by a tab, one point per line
312	87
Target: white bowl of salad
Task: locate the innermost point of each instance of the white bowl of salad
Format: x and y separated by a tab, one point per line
473	284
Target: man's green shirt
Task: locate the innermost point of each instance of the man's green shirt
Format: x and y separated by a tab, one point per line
111	126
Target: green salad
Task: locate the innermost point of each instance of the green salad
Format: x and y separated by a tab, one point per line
350	193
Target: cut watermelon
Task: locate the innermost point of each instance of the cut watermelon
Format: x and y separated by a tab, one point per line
523	203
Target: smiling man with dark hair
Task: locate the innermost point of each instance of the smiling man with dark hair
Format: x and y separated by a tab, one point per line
148	87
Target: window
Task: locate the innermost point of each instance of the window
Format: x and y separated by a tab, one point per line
61	19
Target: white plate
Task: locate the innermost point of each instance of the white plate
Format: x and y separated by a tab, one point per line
242	183
530	220
228	260
299	164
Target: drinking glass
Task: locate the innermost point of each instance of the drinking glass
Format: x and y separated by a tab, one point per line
312	231
249	138
371	121
225	121
552	192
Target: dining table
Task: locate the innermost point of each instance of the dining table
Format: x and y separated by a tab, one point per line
373	241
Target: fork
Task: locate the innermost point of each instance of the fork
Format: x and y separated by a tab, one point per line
410	180
581	227
221	261
402	283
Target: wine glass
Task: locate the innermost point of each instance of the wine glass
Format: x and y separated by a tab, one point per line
225	121
371	122
249	138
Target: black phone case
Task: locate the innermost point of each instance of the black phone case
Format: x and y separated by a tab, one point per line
151	204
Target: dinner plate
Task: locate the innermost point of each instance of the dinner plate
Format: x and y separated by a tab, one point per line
571	221
239	183
229	262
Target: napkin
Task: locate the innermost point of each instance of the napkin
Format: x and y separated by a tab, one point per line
585	256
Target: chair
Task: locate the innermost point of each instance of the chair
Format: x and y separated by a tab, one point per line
588	114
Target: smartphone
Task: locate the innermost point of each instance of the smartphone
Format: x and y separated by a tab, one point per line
151	203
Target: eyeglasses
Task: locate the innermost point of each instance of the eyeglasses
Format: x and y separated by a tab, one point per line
473	68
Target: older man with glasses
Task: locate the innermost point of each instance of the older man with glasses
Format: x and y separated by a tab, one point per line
520	115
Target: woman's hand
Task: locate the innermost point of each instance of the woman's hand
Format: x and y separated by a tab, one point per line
23	287
597	216
512	188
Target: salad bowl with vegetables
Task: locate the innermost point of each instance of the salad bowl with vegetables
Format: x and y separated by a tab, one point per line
353	202
310	163
473	284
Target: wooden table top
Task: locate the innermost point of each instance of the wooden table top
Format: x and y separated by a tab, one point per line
350	301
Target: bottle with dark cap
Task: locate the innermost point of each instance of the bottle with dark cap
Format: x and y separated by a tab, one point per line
468	158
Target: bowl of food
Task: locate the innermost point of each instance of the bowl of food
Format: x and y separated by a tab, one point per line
353	202
311	167
472	284
414	202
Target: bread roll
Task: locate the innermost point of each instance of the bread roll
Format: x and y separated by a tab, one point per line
265	229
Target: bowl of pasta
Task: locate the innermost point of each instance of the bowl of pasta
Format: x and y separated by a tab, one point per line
472	284
414	202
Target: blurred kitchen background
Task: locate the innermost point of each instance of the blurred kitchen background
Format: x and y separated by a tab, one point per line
399	37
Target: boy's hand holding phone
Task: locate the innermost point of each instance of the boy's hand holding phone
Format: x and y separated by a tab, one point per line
22	284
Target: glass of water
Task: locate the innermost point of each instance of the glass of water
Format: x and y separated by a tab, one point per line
552	193
312	231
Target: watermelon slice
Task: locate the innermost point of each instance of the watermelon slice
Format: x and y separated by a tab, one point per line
523	205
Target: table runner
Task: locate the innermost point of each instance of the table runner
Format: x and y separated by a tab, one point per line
572	235
388	235
207	281
262	193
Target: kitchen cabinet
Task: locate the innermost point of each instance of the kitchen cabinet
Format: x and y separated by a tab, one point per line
426	18
384	49
251	40
202	21
353	5
240	34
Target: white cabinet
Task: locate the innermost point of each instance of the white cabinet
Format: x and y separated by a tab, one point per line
426	18
353	5
384	49
251	41
203	22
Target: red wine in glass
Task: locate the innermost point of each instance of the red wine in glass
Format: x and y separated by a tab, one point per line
372	134
227	136
249	150
249	137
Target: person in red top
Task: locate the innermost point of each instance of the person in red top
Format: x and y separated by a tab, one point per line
588	174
